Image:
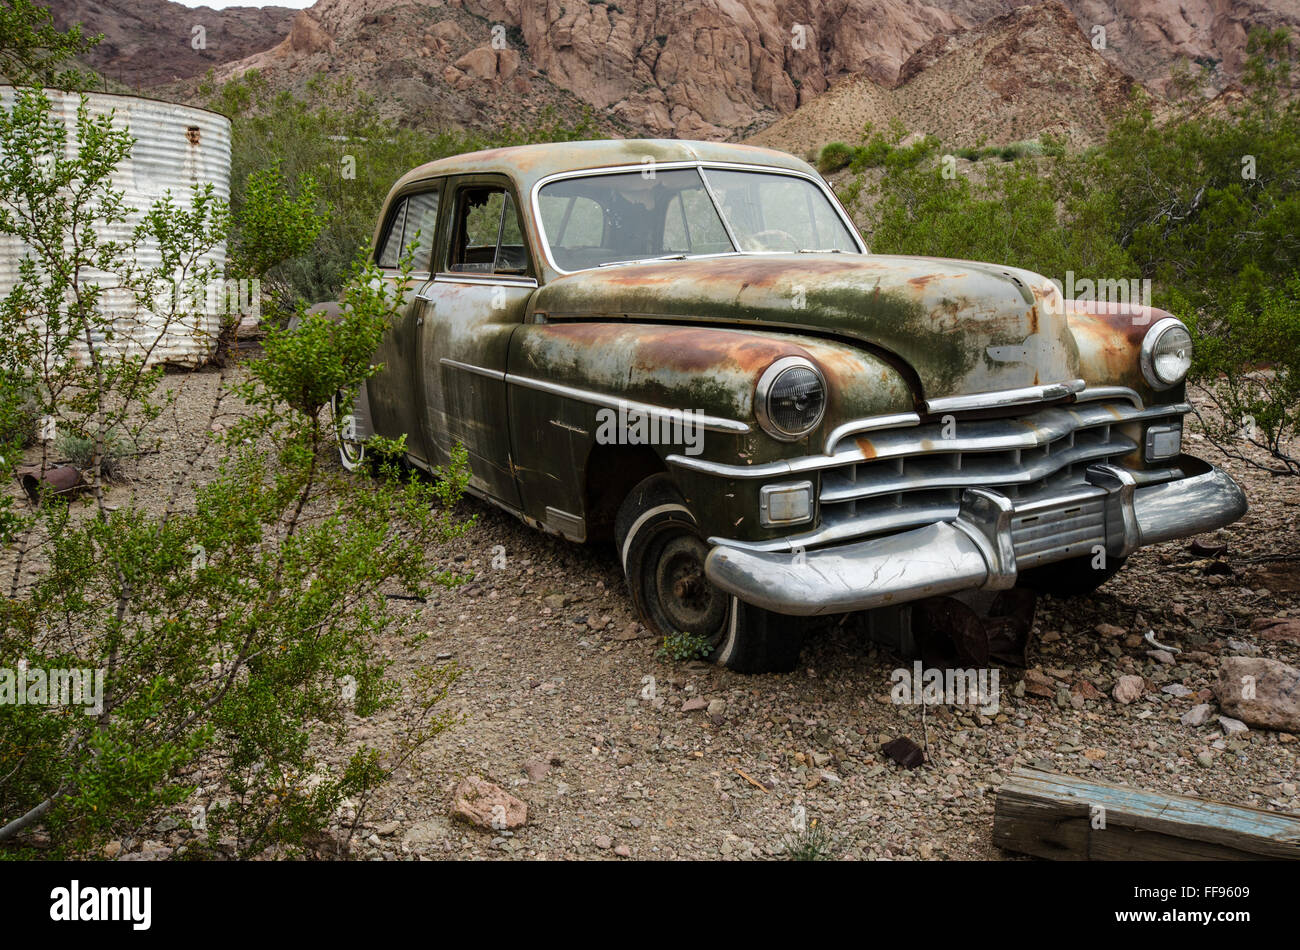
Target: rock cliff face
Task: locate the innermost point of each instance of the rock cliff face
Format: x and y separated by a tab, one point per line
1014	77
698	68
150	42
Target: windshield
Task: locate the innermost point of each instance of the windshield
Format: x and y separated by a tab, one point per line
614	218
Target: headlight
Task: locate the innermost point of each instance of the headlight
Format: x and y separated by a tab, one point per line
790	398
1166	353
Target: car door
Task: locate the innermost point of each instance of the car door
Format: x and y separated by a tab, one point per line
396	392
476	299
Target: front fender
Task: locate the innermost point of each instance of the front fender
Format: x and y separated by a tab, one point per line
1109	337
569	382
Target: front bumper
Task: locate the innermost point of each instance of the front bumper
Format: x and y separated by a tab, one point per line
979	548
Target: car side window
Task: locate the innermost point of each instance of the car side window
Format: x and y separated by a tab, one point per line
391	252
487	237
422	227
414	222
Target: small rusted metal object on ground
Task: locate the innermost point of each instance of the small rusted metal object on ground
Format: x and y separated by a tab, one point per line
905	752
58	480
952	634
1207	550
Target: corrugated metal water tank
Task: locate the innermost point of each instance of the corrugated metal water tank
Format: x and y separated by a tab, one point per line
176	147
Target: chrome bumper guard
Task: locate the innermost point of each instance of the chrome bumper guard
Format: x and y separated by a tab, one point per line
976	550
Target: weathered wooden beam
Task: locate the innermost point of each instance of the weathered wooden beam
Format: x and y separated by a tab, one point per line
1067	818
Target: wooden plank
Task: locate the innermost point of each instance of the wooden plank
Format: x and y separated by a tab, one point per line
1060	817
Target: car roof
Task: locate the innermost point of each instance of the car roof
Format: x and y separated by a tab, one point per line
528	164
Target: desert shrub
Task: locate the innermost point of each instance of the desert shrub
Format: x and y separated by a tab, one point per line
1015	216
19	413
834	156
274	226
1208	204
1247	363
872	154
78	448
814	843
684	646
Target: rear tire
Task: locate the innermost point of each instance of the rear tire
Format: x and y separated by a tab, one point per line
1072	577
352	451
663	555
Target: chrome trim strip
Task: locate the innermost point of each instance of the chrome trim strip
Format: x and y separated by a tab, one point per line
716	423
1066	420
470	368
535	207
1093	393
893	484
899	420
717	207
848	531
492	280
1005	398
566	523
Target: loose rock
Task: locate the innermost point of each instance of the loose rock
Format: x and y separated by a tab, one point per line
1128	689
487	806
1261	692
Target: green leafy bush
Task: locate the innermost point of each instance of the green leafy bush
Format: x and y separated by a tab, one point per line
682	646
33	51
79	448
1247	362
834	156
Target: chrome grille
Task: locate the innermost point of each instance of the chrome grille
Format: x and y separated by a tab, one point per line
905	477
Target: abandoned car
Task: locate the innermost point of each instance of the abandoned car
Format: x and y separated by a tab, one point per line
686	348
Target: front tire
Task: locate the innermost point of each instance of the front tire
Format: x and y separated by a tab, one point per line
663	554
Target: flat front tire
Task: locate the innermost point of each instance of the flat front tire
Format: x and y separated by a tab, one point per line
662	554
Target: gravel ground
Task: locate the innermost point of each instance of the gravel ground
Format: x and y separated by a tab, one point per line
556	708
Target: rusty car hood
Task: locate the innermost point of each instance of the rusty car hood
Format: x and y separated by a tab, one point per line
961	327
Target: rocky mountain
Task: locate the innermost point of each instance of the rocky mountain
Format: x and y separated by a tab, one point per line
697	68
150	42
1015	77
